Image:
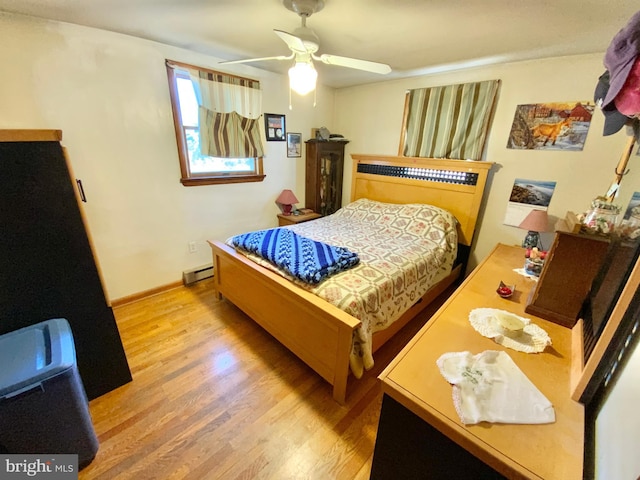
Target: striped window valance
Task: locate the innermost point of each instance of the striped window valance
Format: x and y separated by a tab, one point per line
449	121
229	135
226	93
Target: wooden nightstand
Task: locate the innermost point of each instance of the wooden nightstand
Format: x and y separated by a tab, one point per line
293	219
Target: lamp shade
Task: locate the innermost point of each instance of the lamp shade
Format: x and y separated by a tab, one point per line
535	221
302	77
287	198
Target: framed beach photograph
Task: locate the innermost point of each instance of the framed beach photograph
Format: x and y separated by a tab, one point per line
294	144
274	127
527	195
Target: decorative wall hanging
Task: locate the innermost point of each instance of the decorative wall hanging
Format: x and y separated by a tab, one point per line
527	195
294	144
274	127
551	126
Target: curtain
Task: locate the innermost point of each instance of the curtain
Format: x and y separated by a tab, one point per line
229	108
229	135
225	93
450	121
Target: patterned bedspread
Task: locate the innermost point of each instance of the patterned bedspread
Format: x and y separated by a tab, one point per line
403	251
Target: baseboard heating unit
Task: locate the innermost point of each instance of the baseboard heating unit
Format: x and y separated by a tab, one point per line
198	273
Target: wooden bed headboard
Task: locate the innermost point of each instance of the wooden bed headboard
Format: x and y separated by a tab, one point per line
454	185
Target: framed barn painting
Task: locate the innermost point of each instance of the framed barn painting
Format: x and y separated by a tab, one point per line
551	126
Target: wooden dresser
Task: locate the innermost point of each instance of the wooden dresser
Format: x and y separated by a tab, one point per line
420	434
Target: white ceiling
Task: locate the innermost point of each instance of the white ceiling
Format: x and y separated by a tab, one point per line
412	36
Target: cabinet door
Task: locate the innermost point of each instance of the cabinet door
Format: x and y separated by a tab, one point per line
330	187
325	164
47	265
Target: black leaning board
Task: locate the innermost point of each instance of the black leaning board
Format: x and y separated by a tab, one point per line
47	269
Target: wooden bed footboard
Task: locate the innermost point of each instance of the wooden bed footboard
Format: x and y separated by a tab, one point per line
317	332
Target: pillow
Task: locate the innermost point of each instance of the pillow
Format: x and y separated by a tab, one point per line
415	218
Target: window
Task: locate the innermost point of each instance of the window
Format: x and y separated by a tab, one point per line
228	148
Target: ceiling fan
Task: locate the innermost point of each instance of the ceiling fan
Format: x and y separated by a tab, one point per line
304	43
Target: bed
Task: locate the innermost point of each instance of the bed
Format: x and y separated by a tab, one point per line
314	329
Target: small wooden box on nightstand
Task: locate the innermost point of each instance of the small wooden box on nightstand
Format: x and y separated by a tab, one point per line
293	219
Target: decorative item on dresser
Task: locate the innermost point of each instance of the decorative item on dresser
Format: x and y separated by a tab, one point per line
48	266
535	222
317	331
569	268
324	170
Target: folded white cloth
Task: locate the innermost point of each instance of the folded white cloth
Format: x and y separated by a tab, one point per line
489	387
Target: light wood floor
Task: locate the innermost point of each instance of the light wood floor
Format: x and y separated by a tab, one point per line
215	396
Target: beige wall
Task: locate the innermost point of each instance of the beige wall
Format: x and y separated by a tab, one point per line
371	116
108	93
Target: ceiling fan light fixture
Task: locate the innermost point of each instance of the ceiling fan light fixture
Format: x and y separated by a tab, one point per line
302	77
304	8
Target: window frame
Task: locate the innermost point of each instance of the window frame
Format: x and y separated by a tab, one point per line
188	178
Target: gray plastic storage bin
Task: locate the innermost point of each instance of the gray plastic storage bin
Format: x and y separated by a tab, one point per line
43	405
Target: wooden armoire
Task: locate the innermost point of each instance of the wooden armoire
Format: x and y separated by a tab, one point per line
324	169
47	266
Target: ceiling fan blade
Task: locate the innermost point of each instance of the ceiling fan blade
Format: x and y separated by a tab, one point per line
295	43
246	60
365	65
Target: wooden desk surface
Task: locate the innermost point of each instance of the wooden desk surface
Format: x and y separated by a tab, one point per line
552	451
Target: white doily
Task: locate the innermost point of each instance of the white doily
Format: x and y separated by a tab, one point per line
523	272
531	339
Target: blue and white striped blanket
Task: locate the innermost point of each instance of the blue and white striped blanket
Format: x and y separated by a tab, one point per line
301	257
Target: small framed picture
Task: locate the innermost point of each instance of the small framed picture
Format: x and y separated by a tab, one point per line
274	127
294	144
